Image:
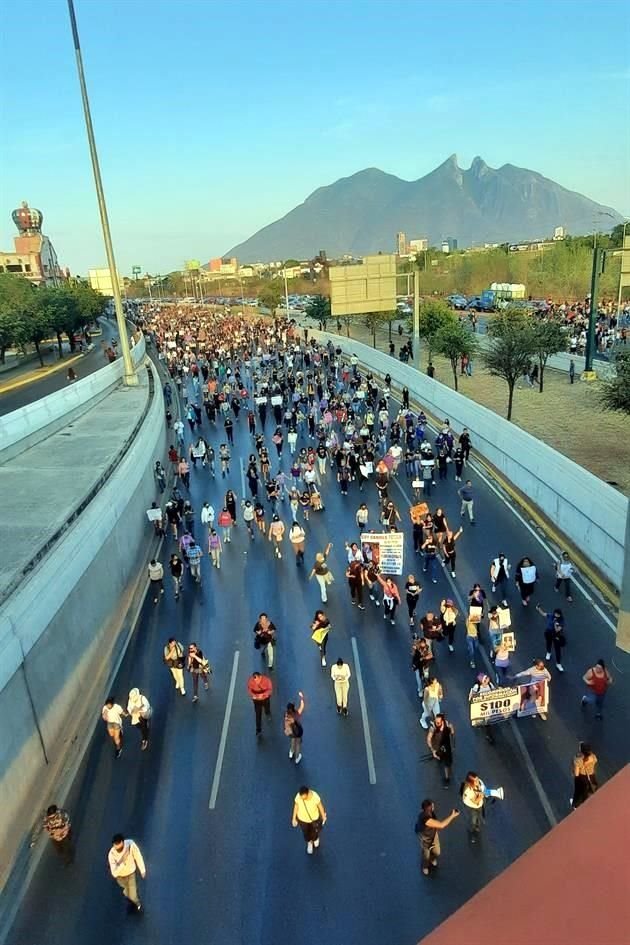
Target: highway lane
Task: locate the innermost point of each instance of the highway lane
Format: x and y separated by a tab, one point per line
239	872
90	362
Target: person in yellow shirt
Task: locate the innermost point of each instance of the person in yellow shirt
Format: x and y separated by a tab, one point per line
310	815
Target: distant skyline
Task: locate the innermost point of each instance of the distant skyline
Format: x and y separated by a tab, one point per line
212	126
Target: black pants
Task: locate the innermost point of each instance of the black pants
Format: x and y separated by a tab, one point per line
557	648
567	585
356	591
259	705
412	603
143	726
450	560
65	849
312	830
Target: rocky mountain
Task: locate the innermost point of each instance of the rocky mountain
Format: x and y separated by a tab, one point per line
362	213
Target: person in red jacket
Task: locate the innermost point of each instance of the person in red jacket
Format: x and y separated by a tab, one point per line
260	688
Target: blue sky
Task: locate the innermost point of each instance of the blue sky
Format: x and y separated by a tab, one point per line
213	119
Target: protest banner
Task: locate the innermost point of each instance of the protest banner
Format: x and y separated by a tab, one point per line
418	511
497	705
385	550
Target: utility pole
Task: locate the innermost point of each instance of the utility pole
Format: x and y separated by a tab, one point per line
130	376
598	263
416	317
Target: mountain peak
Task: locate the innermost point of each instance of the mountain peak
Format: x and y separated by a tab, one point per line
479	167
362	213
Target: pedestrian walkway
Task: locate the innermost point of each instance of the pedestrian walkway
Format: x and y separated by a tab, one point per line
61	471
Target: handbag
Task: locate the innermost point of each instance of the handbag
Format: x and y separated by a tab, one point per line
320	635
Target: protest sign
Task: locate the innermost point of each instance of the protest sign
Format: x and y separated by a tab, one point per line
385	550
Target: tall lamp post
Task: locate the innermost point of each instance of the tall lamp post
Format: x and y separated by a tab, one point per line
130	375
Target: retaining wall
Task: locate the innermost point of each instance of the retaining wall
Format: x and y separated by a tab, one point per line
590	513
21	429
61	630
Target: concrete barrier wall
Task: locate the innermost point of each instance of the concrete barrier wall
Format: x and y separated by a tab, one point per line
590	513
21	429
61	630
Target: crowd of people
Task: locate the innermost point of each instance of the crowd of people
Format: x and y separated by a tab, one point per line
317	421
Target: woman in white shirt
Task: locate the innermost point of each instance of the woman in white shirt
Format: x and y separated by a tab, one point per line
526	577
139	710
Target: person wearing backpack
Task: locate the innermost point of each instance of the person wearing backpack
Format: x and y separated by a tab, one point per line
140	711
293	728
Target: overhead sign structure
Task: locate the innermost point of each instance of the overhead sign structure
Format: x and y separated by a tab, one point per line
369	286
385	549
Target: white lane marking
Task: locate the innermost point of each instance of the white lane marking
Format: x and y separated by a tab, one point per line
224	734
364	715
518	738
242	478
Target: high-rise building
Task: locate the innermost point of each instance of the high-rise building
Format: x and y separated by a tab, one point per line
449	244
34	257
401	244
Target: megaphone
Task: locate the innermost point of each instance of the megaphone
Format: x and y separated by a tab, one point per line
496	792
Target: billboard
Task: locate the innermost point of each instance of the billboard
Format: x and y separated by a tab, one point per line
101	281
369	286
192	264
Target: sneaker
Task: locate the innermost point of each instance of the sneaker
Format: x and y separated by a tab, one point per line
472	664
425	870
345	712
338	710
435	580
543	716
547	656
570	600
453	574
155	600
583	702
323	660
392	621
309	847
494	588
451	648
423	723
361	607
290	753
144	745
560	667
183	692
195	698
378	603
298	758
118	753
316	843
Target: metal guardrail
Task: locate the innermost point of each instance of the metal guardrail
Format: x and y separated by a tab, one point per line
32	563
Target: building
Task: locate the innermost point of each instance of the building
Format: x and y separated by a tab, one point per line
34	256
559	233
449	244
418	246
401	244
101	281
224	267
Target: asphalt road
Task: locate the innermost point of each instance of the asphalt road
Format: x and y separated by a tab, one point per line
239	873
21	396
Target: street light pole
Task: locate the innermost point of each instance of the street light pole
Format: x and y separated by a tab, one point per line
286	292
130	375
589	373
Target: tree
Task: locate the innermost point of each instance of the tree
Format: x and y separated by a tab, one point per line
434	314
549	337
512	345
319	309
291	263
60	308
615	393
34	329
269	295
389	317
17	300
372	321
453	340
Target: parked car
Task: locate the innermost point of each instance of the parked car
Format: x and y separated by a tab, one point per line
457	301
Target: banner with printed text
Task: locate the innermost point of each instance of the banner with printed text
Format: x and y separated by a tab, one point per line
385	550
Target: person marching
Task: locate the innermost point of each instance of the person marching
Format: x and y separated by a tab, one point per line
597	679
125	860
198	666
391	597
297	537
113	714
440	741
584	779
260	689
174	659
265	638
276	534
320	629
340	674
139	710
412	596
431	701
427	827
310	815
322	574
293	728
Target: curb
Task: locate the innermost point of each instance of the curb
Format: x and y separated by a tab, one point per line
32	378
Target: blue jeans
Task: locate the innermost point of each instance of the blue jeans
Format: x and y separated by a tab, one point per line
595	698
472	645
430	564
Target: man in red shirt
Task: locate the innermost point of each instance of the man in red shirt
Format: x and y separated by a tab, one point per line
260	688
